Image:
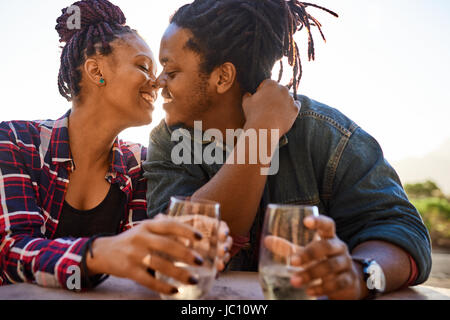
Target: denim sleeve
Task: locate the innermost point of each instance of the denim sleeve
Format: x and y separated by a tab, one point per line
369	203
166	179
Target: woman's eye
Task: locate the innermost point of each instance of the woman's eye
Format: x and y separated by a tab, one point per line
144	68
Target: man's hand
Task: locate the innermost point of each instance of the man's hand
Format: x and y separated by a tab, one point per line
329	260
271	107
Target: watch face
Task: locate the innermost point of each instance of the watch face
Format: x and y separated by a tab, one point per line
376	279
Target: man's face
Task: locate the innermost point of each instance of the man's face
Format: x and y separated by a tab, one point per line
186	91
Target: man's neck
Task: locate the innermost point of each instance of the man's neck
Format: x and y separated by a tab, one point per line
226	114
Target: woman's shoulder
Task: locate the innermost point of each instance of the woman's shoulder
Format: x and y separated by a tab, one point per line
24	132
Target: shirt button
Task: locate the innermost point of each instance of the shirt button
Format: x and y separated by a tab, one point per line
247	246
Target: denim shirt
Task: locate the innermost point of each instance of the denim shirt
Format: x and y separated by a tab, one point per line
325	160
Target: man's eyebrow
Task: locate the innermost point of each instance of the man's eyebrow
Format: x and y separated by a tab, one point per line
164	60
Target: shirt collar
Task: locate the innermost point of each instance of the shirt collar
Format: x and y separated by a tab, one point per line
60	148
59	143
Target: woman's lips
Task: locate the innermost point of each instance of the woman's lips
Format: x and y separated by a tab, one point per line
148	97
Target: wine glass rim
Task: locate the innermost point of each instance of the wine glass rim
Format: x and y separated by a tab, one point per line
180	199
293	206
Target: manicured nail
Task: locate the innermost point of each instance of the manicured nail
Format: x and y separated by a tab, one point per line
225	249
151	272
174	291
193	280
198	236
198	261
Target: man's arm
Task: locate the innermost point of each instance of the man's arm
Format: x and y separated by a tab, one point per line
393	260
239	188
371	218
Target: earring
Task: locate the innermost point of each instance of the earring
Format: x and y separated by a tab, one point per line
102	81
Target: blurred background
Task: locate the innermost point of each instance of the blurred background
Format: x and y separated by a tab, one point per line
385	65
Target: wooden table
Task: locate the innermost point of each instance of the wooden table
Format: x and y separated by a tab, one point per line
230	286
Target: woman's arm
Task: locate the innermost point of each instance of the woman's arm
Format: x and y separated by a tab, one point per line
25	254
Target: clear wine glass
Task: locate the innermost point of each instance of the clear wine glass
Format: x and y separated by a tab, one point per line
284	233
203	215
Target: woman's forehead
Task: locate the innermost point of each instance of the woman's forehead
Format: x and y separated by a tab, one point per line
133	45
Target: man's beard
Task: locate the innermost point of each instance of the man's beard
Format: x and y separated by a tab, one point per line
201	99
199	102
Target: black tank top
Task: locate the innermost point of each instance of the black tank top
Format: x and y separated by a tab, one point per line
105	218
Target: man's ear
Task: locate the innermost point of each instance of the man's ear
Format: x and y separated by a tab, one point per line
93	72
224	77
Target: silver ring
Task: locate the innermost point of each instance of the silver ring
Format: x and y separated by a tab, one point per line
147	261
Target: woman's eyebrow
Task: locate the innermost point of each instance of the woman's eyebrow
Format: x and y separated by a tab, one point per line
154	66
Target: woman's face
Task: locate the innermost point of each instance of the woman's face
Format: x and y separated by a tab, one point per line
129	91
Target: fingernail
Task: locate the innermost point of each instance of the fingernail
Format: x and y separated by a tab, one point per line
198	261
226	249
193	280
174	291
151	272
198	236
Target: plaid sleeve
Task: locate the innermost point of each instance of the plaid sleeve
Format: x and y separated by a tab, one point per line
137	203
25	254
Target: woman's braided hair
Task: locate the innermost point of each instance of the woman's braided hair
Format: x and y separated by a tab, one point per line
251	34
101	23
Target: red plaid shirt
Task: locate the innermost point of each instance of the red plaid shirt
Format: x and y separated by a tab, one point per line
35	163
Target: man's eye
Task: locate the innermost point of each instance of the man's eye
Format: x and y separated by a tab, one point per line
144	68
171	75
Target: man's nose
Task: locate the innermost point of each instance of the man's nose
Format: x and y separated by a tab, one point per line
161	80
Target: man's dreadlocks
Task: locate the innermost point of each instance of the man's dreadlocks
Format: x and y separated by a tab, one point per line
251	34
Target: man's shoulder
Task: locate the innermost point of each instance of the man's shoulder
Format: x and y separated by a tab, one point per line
160	134
160	141
318	114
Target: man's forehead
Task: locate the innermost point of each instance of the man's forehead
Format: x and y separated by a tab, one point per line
174	43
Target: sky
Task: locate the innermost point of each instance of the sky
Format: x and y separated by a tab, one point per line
386	65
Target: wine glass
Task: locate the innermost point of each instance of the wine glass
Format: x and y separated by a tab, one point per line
204	216
284	234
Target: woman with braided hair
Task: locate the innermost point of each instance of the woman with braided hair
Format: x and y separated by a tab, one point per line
218	56
72	194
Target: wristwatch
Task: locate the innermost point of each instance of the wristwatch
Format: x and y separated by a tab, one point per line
373	277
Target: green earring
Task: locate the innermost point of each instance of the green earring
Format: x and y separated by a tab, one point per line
102	81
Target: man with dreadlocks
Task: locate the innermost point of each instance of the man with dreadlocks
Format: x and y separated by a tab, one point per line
217	57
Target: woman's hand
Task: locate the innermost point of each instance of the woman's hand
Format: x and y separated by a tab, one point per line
126	255
224	247
204	224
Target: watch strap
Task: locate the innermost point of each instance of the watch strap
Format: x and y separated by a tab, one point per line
366	263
